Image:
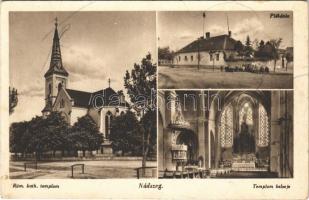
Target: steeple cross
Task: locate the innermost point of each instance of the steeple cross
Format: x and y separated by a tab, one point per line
109	82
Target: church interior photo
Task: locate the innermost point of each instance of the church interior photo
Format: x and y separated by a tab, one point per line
225	134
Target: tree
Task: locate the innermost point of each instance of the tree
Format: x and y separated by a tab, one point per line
239	47
13	99
39	135
275	50
48	134
126	134
149	124
165	53
85	135
141	88
248	50
17	141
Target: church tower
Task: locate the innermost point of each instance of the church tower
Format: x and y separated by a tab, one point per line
56	76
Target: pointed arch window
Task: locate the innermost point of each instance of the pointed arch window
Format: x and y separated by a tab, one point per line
263	137
108	120
59	86
49	90
62	103
246	114
226	127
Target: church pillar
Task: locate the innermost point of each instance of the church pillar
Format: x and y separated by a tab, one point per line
275	133
201	132
212	129
217	146
170	109
160	144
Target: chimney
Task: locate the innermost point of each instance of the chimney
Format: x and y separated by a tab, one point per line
230	33
207	35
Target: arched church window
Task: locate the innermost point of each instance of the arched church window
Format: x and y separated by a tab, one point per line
49	89
59	86
263	138
62	103
246	114
108	120
226	127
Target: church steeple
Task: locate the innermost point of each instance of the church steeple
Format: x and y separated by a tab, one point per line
56	66
56	76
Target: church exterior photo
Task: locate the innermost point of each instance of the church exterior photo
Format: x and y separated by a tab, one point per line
87	114
225	134
100	105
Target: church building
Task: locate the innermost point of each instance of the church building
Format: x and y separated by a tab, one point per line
238	134
101	105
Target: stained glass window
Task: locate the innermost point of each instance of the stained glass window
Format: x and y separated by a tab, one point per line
246	113
226	127
263	127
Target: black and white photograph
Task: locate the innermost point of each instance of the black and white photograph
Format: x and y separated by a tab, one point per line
82	95
216	49
225	134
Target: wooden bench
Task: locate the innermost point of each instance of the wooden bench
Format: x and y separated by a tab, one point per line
76	165
30	163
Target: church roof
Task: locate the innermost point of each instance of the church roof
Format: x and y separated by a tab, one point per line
48	108
221	42
80	98
56	66
110	98
96	99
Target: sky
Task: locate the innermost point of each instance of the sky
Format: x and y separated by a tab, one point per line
95	46
177	29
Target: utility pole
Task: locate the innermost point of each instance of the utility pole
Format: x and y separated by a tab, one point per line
204	16
198	54
228	26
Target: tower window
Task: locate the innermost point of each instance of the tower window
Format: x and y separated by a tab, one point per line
59	86
49	89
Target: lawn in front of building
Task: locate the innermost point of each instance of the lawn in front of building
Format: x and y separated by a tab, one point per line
100	169
186	78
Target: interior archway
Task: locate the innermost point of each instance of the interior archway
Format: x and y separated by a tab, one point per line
244	131
189	139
